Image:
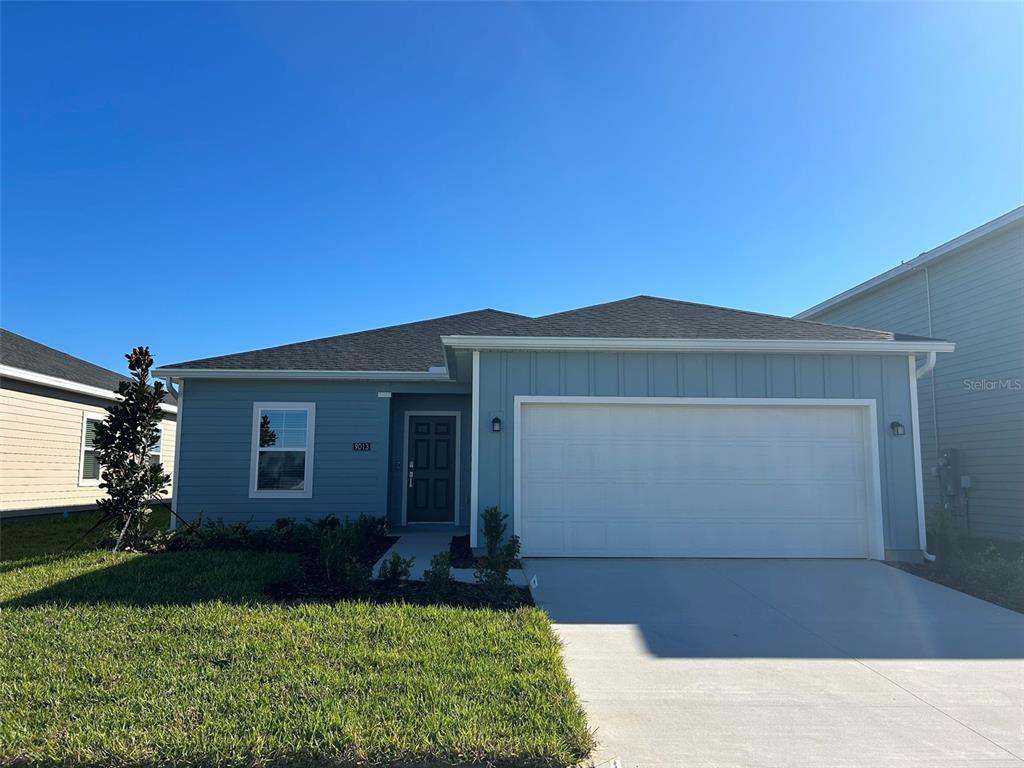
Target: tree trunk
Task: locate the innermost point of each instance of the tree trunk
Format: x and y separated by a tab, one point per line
120	538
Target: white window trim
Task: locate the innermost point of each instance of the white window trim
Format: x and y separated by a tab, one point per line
254	457
82	481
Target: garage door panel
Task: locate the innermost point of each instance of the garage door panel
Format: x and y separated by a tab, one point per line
702	481
650	459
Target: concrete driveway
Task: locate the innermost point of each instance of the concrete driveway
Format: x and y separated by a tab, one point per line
786	663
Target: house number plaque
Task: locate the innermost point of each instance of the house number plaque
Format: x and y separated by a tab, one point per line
361	446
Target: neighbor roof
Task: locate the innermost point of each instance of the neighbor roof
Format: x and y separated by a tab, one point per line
926	258
27	355
419	347
408	347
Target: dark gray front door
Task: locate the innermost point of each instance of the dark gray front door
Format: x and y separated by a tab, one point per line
430	474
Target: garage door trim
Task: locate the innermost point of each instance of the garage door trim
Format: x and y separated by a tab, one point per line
874	524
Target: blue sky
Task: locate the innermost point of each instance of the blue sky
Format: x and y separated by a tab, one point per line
211	178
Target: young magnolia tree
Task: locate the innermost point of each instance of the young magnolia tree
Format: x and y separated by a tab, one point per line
123	443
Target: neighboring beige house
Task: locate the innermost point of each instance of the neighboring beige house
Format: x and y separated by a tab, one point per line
49	404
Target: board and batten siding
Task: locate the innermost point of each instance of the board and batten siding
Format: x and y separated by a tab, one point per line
40	449
977	301
216	433
883	378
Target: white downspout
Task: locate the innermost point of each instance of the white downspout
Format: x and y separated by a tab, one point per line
915	421
179	395
929	364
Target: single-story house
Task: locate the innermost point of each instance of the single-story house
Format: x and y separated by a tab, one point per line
969	290
49	405
642	427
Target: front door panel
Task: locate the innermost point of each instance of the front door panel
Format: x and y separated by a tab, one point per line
430	471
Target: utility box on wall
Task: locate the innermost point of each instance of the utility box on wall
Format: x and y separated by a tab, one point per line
949	473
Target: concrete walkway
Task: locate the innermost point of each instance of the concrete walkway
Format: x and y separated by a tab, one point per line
423	545
790	663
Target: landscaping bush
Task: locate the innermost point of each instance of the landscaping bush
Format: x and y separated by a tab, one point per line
501	555
438	577
993	571
396	569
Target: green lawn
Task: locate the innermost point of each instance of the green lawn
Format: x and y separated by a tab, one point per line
31	537
177	658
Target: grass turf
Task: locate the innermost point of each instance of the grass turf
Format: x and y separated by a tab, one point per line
50	534
178	658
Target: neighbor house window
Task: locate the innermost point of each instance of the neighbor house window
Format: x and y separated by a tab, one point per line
282	449
89	467
154	450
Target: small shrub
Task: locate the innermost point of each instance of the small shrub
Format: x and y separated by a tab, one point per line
438	577
502	556
340	564
396	569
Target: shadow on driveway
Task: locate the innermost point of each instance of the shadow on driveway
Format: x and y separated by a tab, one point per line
777	608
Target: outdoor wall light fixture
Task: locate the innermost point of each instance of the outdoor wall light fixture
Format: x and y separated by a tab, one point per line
495	424
897	428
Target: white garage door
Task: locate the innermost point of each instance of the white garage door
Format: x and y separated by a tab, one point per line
645	479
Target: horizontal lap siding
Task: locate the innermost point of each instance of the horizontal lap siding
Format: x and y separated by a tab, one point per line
977	301
503	375
40	449
217	443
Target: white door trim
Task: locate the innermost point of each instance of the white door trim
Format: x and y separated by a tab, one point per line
875	526
458	464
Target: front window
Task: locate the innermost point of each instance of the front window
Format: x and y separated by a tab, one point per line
282	450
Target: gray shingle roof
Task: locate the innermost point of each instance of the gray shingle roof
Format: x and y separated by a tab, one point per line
417	346
408	347
20	352
649	317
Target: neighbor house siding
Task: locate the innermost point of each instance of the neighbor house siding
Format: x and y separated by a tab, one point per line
216	434
40	449
883	378
976	301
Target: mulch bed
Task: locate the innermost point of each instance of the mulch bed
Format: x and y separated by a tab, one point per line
462	555
312	586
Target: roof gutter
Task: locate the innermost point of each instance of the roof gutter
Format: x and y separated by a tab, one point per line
55	382
255	373
695	345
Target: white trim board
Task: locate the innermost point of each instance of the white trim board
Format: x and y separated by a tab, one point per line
875	522
918	262
787	346
307	484
458	465
474	452
68	386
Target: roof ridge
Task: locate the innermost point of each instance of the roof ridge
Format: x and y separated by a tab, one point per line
766	314
278	347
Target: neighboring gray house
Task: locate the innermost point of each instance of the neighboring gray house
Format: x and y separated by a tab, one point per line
641	428
970	291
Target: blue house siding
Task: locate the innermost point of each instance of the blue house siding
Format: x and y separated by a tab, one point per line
216	434
402	404
883	378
